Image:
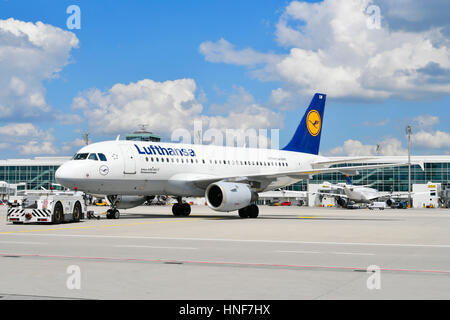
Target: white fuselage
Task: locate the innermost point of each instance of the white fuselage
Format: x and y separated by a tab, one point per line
151	168
361	194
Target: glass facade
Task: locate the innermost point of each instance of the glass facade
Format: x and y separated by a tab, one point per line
387	179
31	174
35	177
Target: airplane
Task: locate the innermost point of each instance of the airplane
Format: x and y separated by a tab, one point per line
353	194
230	178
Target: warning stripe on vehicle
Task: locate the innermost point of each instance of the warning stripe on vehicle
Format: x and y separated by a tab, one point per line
35	213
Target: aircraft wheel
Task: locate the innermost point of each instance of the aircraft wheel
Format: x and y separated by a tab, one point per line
176	209
253	211
185	209
244	213
115	214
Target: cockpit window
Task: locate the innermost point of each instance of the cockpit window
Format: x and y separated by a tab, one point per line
93	156
81	156
102	157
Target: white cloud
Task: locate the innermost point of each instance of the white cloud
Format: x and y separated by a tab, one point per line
431	140
20	130
425	121
224	51
332	50
236	100
28	139
70	147
29	54
355	148
165	107
38	147
422	140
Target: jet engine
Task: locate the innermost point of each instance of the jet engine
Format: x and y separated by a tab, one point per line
229	196
126	202
342	202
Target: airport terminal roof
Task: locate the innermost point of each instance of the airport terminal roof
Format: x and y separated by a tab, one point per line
37	161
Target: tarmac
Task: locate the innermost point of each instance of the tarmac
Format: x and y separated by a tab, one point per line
286	253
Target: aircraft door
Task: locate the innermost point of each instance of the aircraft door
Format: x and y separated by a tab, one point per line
129	159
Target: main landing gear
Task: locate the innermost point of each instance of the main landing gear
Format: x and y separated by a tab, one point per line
181	209
252	211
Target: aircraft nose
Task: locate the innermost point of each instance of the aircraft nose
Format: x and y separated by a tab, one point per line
61	173
65	175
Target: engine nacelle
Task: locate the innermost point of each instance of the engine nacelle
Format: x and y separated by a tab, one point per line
126	202
229	196
342	202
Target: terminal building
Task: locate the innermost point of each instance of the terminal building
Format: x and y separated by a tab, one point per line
436	169
39	173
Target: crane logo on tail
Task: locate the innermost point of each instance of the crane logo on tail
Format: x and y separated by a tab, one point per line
313	122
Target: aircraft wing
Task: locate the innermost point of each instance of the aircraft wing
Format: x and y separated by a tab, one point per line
331	194
322	164
260	181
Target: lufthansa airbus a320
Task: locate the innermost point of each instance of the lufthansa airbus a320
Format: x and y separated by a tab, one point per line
230	178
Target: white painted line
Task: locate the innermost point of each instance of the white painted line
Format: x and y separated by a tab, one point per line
153	247
288	251
355	253
22	242
238	240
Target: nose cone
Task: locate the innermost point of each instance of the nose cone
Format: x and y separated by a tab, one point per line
65	176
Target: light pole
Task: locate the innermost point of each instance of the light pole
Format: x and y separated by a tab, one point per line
408	132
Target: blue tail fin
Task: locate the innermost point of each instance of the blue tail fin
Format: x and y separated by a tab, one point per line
349	179
307	137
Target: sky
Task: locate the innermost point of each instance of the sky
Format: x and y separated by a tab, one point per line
237	65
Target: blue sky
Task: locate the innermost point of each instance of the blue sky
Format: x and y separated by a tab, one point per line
125	42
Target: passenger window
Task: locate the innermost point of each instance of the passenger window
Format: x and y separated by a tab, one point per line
93	156
102	157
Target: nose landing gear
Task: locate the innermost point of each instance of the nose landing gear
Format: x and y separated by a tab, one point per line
112	213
